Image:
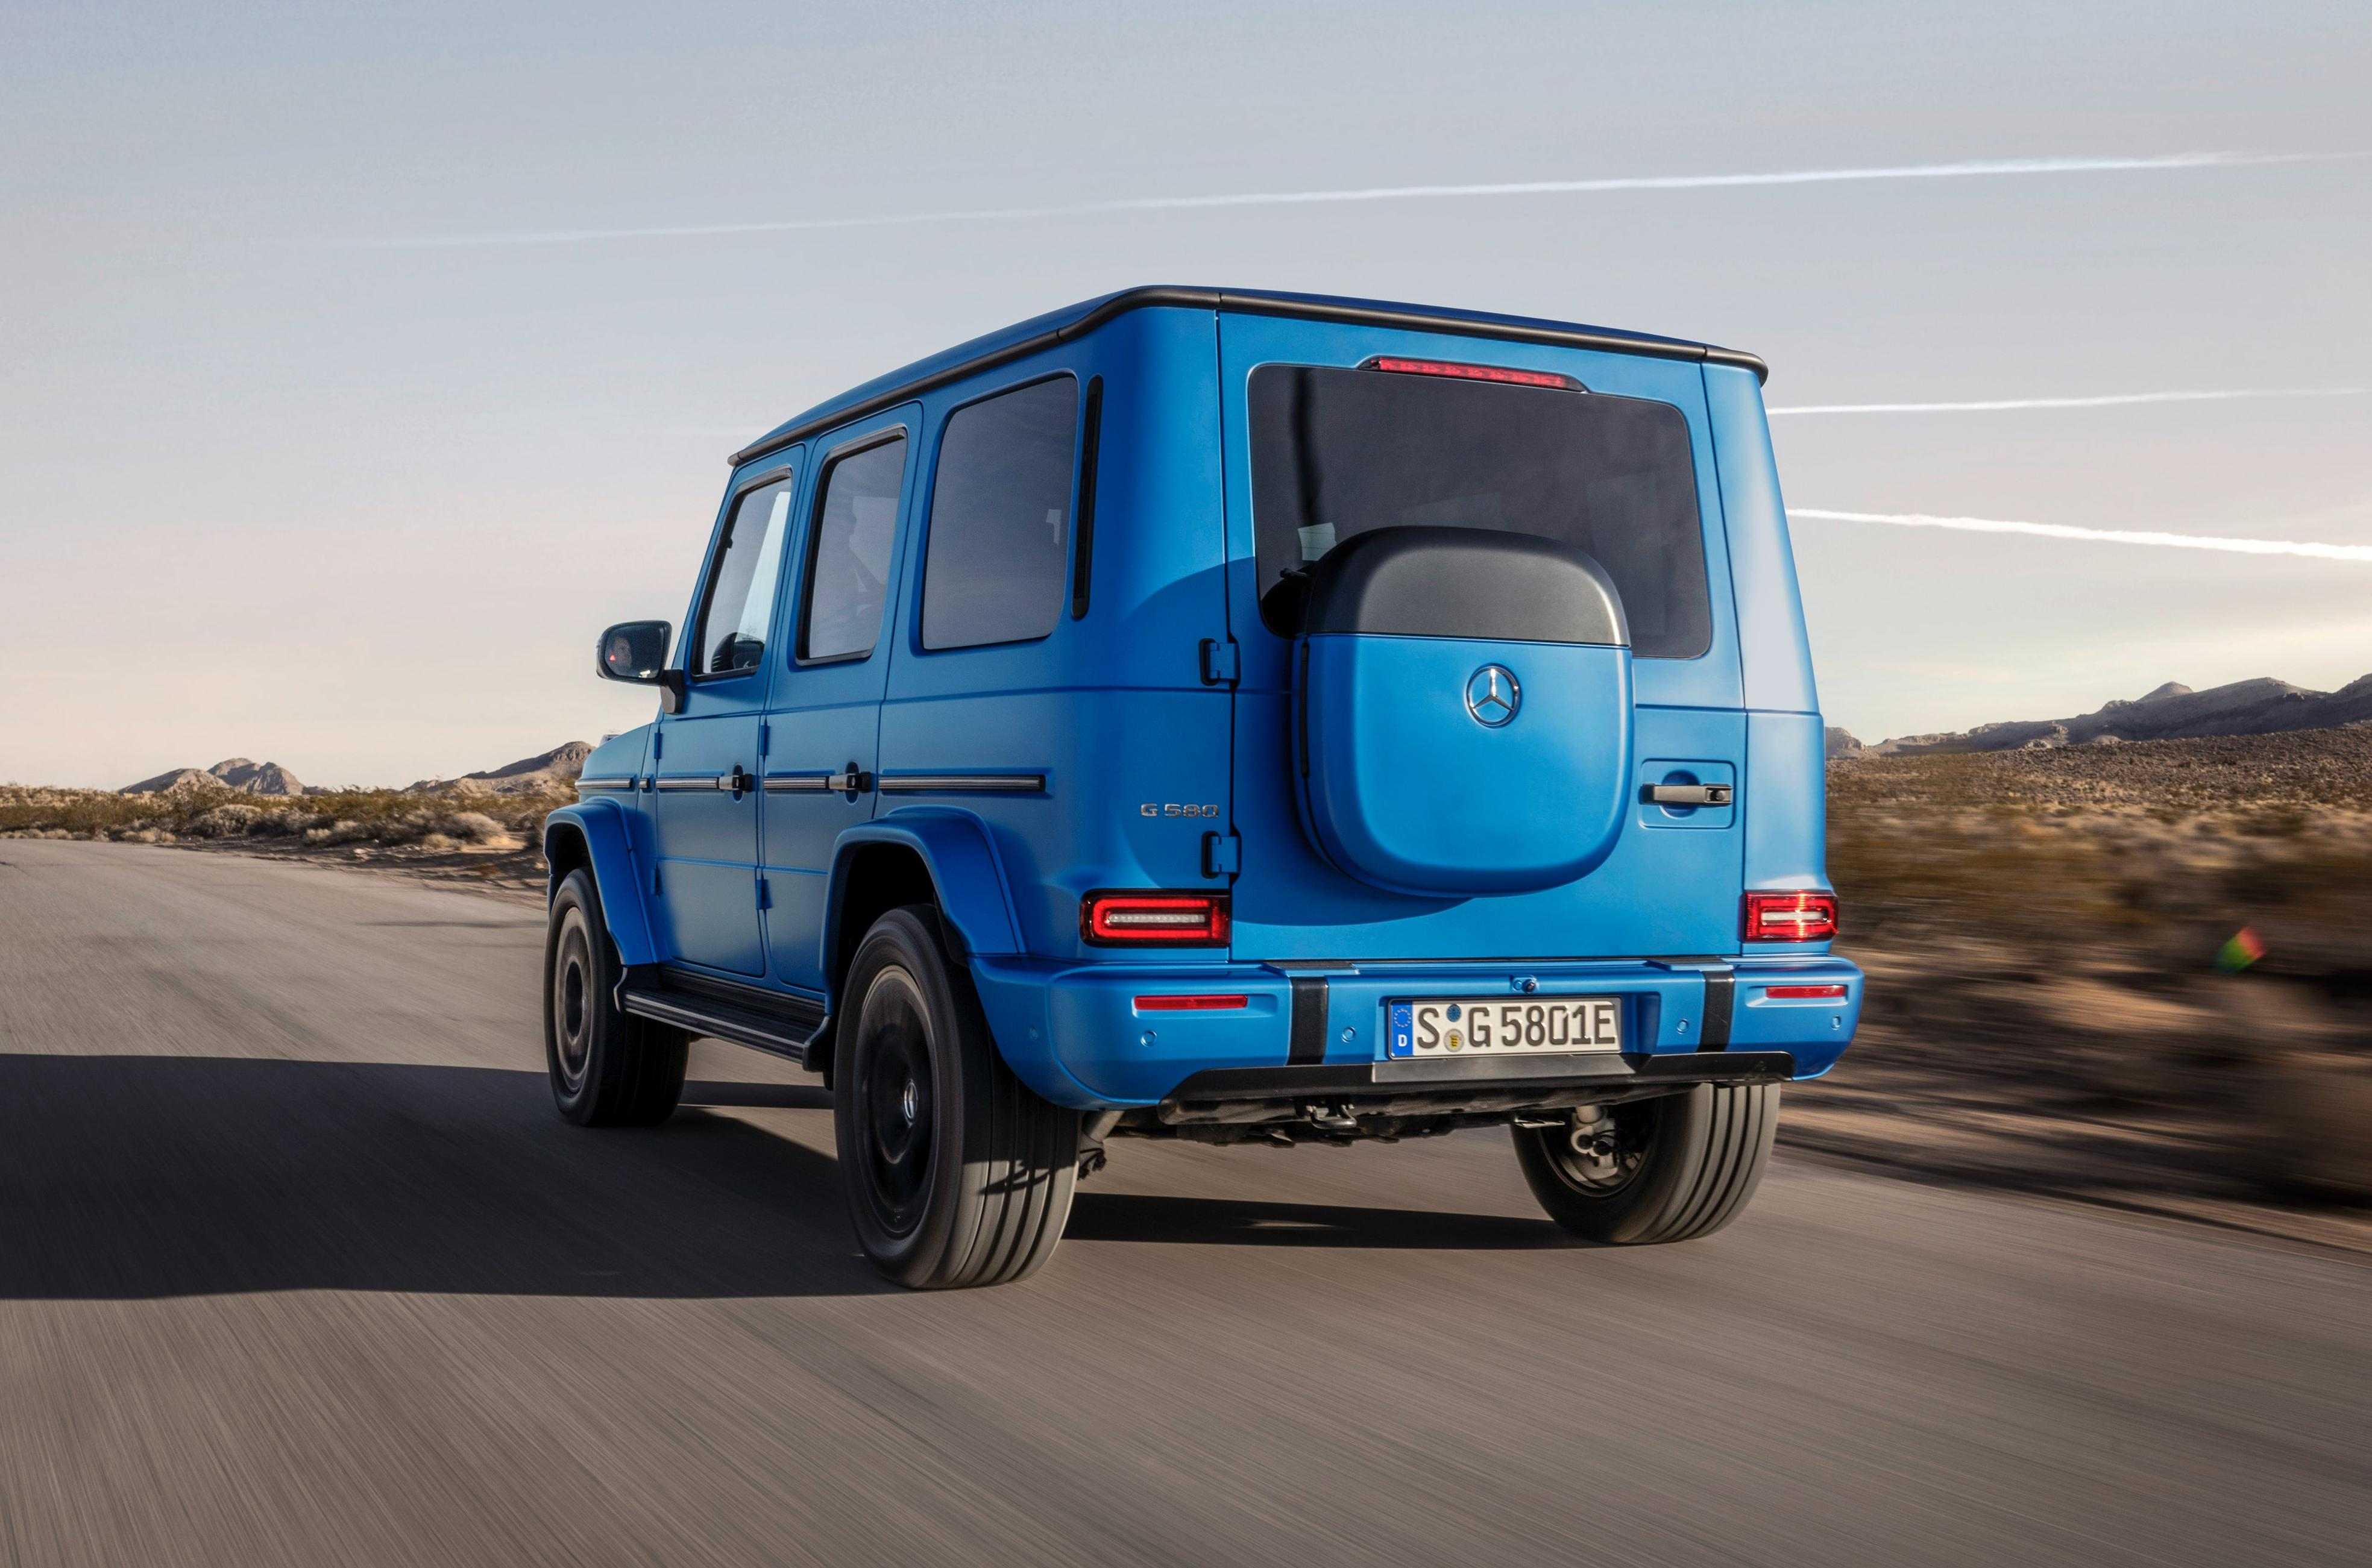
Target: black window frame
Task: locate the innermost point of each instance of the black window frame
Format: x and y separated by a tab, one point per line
856	446
1072	602
689	656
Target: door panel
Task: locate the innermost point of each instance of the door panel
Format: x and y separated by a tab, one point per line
824	715
705	805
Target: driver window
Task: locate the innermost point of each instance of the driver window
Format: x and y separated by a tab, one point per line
848	553
731	635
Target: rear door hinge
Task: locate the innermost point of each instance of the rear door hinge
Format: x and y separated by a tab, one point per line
765	896
1222	661
1223	853
766	738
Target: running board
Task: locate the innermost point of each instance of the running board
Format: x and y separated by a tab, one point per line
739	1015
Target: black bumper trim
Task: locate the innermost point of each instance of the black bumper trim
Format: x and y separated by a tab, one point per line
1235	1093
1305	1040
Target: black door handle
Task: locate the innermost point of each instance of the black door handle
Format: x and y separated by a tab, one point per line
1689	794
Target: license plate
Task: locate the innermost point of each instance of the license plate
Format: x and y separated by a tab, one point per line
1491	1026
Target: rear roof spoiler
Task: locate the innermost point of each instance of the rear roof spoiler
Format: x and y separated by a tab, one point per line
1304	306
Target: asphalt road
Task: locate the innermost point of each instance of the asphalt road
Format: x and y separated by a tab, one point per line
298	1266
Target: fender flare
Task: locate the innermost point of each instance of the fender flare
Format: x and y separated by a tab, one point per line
607	834
961	858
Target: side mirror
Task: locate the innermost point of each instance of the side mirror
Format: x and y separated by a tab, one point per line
635	652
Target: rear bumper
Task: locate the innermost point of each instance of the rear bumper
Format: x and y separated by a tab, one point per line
1479	1085
1077	1035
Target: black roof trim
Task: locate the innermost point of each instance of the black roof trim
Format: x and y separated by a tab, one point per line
1409	319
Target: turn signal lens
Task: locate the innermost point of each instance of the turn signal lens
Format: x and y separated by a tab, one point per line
1498	373
1790	917
1802	992
1192	1003
1144	920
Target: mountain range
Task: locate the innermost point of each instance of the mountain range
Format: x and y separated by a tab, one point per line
544	770
2172	711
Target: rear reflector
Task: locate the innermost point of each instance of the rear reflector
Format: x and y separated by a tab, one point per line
1498	373
1790	917
1192	1003
1144	920
1784	993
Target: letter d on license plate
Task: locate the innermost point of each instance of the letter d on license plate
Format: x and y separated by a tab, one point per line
1491	1026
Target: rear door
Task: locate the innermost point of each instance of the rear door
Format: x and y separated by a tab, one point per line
825	718
1607	453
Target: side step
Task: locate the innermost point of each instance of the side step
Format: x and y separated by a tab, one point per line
719	1009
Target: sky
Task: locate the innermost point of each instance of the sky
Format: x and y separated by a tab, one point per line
322	441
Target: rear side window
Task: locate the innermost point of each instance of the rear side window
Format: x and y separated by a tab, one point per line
848	553
1000	533
1339	452
731	633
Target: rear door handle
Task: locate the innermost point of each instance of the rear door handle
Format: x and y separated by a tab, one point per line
1689	794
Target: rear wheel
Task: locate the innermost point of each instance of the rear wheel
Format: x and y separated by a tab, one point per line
608	1068
1665	1170
956	1173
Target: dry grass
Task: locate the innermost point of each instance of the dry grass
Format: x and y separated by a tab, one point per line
496	840
2046	1010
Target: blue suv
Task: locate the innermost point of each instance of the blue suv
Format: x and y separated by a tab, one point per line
1232	716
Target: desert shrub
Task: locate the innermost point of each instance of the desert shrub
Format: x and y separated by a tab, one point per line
230	820
473	826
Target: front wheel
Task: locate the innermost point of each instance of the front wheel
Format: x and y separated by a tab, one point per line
956	1173
1665	1169
608	1068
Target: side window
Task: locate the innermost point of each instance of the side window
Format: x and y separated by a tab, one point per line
848	553
1000	518
732	632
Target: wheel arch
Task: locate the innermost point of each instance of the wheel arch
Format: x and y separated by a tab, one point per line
917	854
595	835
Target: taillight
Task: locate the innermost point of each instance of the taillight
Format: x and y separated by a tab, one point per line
1802	992
1498	373
1147	920
1192	1003
1790	917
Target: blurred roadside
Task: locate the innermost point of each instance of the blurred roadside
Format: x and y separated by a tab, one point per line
2132	973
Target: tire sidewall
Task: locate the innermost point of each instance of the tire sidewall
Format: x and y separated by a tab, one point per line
901	941
577	919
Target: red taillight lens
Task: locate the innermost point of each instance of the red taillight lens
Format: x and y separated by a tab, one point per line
1498	373
1790	917
1802	992
1144	920
1192	1003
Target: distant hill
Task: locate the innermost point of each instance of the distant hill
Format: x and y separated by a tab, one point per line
2172	711
545	771
232	772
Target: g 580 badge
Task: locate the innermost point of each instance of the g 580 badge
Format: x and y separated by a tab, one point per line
1151	809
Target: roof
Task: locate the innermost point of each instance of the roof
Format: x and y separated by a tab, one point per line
1042	332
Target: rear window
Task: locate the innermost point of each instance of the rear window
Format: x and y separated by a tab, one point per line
1336	453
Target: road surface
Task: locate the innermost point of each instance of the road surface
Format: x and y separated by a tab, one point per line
298	1266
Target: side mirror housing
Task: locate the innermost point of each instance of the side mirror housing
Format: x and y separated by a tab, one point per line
635	652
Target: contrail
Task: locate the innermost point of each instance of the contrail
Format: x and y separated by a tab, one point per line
2112	401
1386	193
2100	536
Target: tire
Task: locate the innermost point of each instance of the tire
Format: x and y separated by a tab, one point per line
607	1069
956	1173
1682	1166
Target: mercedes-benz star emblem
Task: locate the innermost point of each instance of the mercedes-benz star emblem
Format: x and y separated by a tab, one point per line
1493	696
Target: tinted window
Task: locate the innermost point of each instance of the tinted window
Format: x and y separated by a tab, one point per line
732	631
1337	452
848	553
1000	518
